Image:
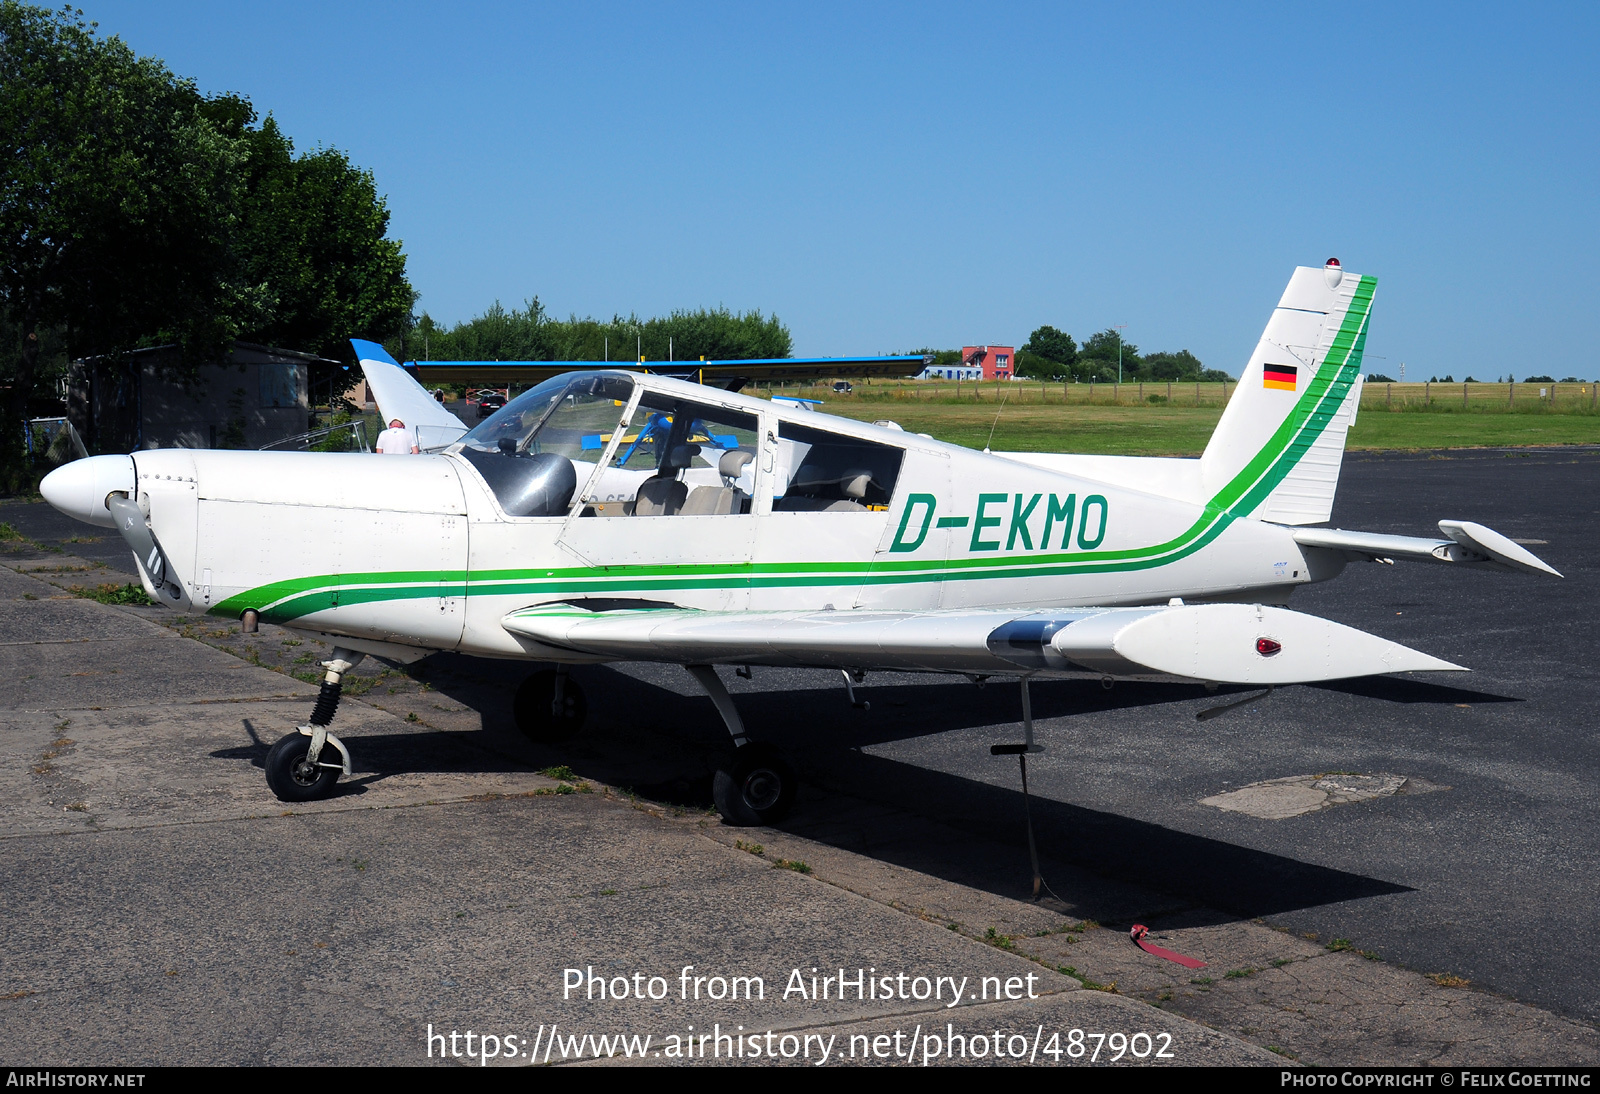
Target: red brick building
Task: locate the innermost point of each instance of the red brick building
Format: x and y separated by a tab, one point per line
997	362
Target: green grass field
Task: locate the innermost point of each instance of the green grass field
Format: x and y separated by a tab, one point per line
1030	417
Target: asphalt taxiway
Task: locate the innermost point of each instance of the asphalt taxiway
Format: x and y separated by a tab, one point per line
161	907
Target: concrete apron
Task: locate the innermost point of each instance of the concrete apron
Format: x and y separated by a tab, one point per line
163	907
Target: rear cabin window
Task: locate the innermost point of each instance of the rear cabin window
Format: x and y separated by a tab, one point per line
831	473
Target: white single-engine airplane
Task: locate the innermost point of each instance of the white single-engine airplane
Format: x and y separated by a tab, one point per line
611	515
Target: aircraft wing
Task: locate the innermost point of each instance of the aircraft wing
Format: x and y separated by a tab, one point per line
399	396
731	374
1469	544
1225	643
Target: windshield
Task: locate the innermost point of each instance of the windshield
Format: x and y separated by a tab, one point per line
571	415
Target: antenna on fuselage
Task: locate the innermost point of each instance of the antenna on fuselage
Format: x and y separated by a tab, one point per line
1002	406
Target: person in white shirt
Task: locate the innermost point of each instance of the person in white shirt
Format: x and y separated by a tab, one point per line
397	440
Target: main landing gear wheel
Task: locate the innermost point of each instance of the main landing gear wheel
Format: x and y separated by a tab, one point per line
544	718
293	778
755	785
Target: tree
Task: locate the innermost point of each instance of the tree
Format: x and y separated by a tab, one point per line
942	357
716	334
116	197
1053	345
1098	358
1035	367
1182	365
135	211
312	236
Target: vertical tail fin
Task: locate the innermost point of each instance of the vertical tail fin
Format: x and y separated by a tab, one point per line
398	395
1277	451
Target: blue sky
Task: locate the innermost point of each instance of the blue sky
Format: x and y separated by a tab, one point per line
885	176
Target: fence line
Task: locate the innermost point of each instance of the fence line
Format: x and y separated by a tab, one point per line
1520	397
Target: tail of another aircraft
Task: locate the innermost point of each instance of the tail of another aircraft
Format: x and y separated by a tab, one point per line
1276	452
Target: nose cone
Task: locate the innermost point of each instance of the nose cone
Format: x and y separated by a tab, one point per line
79	488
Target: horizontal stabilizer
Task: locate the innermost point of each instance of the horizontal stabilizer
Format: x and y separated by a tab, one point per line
399	396
1469	545
1226	643
1486	541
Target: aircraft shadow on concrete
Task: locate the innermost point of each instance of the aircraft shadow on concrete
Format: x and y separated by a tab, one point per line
661	746
1195	869
1401	689
824	736
376	756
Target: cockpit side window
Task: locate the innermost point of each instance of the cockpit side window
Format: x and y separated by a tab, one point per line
832	473
534	452
680	458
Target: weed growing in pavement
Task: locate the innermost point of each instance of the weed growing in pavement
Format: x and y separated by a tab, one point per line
751	848
1448	980
111	593
1092	985
791	864
1001	941
1340	945
1239	974
562	772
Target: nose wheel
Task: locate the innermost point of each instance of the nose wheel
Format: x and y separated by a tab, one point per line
294	777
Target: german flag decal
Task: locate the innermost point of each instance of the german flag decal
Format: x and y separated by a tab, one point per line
1281	377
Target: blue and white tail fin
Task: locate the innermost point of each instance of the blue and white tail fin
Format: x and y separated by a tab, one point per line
398	395
1277	451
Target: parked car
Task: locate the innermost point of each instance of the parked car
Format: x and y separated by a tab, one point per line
842	387
488	404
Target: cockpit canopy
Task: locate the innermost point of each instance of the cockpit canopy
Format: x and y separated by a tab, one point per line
533	449
679	454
